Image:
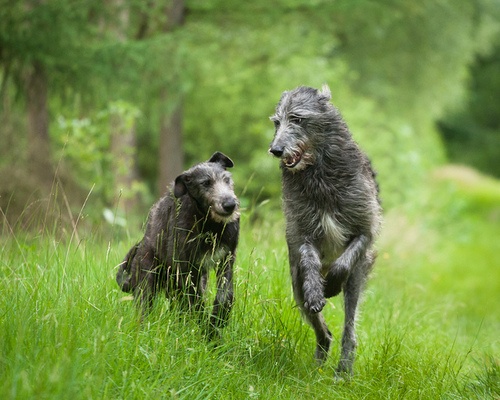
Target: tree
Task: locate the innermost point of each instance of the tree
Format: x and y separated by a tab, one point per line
472	130
36	94
94	54
393	67
171	152
123	154
123	125
40	43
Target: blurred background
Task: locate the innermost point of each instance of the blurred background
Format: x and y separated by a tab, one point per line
103	103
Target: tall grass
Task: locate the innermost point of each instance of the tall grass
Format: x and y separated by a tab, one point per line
428	328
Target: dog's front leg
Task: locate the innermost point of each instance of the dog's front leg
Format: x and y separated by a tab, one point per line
223	302
192	290
312	281
342	267
308	291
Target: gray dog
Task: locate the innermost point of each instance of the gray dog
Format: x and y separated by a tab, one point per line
332	211
195	226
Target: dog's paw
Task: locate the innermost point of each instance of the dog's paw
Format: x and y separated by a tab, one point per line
343	372
314	304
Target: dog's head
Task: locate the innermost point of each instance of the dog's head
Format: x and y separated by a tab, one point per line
211	187
301	115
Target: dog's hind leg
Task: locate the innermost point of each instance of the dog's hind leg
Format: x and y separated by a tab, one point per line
124	276
352	291
146	274
323	335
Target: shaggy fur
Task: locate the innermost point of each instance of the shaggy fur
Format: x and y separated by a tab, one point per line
332	211
194	227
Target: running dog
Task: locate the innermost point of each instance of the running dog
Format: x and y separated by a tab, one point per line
195	226
332	211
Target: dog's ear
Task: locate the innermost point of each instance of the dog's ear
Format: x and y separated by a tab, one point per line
282	98
180	188
325	94
221	159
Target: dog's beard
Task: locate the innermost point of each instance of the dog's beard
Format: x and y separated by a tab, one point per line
224	218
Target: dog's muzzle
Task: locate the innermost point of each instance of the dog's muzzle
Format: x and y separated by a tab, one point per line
289	161
228	206
226	210
277	151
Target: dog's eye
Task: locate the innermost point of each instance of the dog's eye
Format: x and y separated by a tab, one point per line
296	120
276	123
206	183
227	180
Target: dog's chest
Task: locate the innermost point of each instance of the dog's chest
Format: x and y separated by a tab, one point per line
215	257
333	230
310	210
333	238
210	251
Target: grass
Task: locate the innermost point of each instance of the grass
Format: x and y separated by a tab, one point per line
428	328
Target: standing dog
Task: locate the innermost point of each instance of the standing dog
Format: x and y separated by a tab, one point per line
195	226
332	211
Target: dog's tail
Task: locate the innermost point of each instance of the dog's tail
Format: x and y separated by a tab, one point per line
124	276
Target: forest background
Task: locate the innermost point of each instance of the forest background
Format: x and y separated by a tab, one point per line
120	96
103	103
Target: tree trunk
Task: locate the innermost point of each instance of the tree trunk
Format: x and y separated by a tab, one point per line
123	132
123	150
175	15
36	88
171	155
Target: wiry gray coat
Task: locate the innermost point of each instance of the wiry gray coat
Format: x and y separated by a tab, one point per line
191	229
332	210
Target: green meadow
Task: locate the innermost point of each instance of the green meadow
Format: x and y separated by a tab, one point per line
429	326
103	103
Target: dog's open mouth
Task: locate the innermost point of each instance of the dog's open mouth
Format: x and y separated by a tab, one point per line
292	160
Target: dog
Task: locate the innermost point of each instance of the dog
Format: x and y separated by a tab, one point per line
195	226
332	211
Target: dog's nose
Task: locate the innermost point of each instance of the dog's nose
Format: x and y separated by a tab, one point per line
277	151
229	205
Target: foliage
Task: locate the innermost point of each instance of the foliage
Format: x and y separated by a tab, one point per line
391	75
85	151
472	130
243	87
394	68
52	33
428	327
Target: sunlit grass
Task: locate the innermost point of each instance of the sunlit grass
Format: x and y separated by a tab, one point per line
428	327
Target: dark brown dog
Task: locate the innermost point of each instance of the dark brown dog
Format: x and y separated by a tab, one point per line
194	227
